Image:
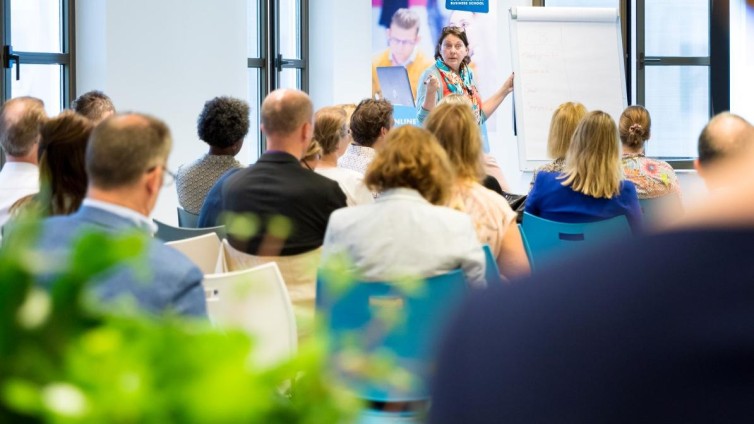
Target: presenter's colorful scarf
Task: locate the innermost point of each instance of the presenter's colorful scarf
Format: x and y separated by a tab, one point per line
461	83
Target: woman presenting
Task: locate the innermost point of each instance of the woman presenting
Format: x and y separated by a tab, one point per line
452	74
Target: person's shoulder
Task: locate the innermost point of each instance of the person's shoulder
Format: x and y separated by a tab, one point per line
422	60
382	58
628	188
169	261
547	177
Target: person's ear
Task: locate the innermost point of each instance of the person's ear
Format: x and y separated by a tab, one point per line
307	131
153	180
697	167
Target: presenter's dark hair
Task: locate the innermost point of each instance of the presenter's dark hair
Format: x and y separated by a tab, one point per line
369	118
224	121
458	32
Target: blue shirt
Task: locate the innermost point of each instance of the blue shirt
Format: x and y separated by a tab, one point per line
550	199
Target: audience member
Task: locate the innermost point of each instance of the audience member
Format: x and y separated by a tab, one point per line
405	233
94	105
563	124
290	204
456	129
725	136
371	120
601	339
591	186
20	119
120	197
222	124
312	155
402	40
494	178
652	177
62	172
331	133
211	214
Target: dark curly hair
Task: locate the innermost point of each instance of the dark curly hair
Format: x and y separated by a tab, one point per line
369	118
223	121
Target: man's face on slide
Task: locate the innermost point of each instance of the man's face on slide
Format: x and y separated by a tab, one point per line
402	42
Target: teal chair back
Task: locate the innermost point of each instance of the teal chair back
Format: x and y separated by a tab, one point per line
491	270
395	322
546	240
187	219
168	233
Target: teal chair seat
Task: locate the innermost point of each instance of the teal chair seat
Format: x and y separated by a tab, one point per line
547	240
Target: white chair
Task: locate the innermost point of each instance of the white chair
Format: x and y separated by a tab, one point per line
299	274
205	251
256	301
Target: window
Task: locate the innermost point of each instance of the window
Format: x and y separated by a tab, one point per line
668	62
278	52
673	74
37	56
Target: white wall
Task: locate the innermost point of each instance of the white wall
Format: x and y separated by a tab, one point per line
165	58
340	42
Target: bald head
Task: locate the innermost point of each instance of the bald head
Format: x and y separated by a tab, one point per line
20	120
123	147
725	135
284	111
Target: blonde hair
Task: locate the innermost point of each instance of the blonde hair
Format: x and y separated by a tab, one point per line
412	158
562	126
313	152
455	99
592	164
634	126
329	128
456	128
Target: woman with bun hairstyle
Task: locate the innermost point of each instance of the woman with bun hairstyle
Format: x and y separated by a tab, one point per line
652	177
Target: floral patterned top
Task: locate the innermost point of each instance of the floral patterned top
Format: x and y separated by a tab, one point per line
652	177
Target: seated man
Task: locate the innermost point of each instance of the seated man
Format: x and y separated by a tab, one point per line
20	119
288	204
370	122
725	137
120	196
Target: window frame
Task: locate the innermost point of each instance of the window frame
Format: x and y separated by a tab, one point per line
643	61
270	61
66	59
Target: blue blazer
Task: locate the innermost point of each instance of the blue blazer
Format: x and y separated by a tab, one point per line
167	281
